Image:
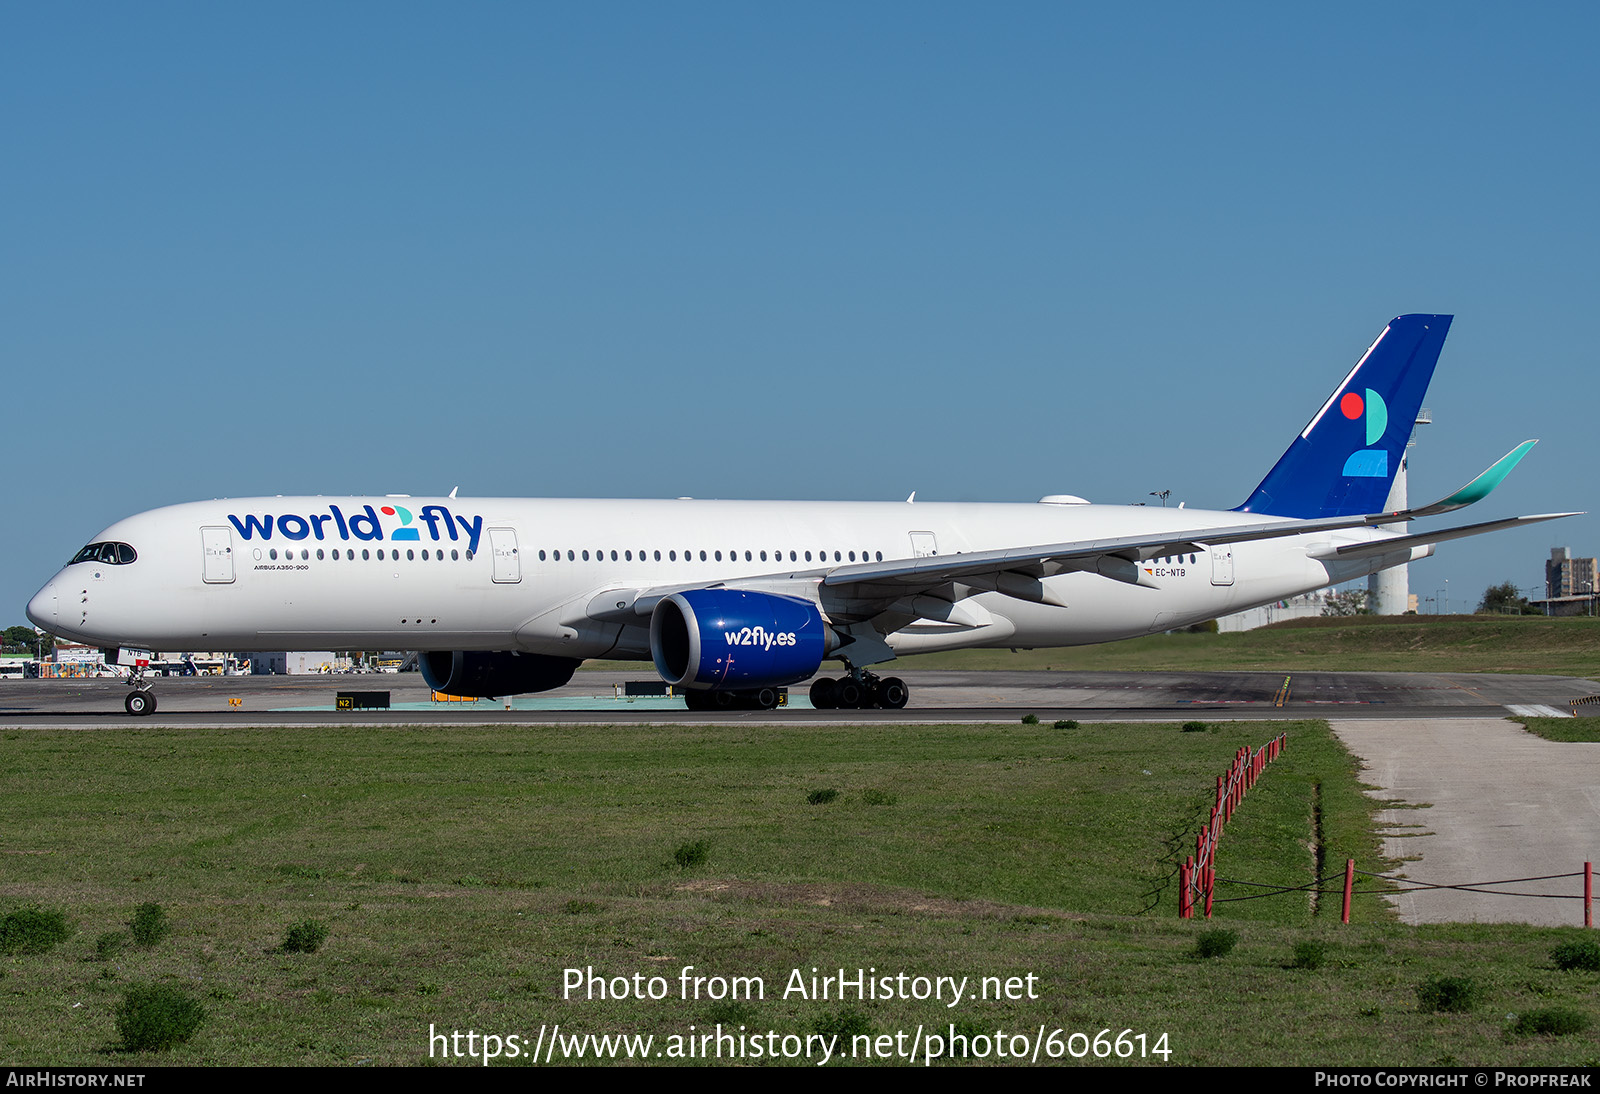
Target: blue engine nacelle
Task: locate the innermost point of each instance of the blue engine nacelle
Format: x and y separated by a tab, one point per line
483	673
728	638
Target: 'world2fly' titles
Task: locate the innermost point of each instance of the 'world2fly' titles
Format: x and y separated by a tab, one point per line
367	524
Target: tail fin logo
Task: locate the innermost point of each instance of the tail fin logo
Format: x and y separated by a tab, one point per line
1367	462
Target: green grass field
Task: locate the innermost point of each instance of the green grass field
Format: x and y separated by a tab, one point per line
1563	729
460	872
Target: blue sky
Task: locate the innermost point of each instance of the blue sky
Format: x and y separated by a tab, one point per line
738	250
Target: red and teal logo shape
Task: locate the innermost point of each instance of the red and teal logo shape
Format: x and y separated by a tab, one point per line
1367	462
404	531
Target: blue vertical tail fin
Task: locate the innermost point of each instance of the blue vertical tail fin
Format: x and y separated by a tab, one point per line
1344	462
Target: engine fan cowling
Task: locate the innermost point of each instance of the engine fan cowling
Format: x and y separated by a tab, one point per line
483	673
730	638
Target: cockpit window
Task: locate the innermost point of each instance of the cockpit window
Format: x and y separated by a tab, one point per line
111	554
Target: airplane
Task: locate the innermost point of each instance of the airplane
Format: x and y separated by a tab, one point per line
732	600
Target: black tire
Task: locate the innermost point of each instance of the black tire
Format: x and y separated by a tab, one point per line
140	703
698	700
892	693
764	698
824	693
851	694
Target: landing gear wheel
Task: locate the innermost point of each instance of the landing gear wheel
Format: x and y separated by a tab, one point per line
764	698
851	694
824	693
140	703
698	700
892	693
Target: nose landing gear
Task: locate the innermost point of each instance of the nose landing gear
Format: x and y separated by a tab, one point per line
140	700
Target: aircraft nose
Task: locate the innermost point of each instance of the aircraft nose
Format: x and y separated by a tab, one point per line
43	607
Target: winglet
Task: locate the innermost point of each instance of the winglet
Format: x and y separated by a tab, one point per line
1479	488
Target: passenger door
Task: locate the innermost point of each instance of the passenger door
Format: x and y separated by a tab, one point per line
507	566
218	546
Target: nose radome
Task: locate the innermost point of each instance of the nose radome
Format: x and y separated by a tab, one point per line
42	608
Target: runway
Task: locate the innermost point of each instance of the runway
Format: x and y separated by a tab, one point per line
942	696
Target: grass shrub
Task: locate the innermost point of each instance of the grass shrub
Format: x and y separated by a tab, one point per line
690	855
149	925
1311	953
152	1017
33	930
1030	719
878	797
1067	723
1549	1022
822	797
307	936
843	1024
1195	727
109	944
1451	994
1583	955
1215	943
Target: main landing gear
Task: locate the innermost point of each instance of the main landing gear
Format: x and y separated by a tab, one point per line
859	691
752	699
141	700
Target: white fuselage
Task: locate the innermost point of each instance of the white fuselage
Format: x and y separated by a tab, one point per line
520	574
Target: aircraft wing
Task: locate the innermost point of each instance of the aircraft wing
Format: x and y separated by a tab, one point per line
1116	558
862	590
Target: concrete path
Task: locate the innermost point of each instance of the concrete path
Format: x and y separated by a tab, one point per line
1500	803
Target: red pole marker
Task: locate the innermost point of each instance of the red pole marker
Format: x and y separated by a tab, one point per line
1349	886
1588	894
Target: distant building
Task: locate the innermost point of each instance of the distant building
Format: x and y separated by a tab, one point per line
1304	606
1568	576
1565	605
295	663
